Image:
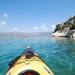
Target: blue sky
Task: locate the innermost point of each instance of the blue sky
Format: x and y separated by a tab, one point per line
34	15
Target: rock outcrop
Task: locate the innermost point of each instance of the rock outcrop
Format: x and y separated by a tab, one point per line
66	29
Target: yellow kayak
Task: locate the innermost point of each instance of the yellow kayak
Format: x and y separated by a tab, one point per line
29	63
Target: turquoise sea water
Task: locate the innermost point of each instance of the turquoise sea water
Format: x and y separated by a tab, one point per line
58	53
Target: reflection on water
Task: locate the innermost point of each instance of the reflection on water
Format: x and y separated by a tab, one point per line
59	53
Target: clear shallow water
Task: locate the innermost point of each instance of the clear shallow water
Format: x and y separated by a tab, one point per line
59	53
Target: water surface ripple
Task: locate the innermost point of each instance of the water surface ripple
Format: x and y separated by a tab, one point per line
58	53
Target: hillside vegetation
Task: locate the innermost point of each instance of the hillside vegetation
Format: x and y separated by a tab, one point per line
67	25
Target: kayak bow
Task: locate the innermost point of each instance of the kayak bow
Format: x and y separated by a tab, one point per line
29	63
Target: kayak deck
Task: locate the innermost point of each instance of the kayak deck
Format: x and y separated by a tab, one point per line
34	63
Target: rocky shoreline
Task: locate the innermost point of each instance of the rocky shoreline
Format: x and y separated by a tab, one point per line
70	33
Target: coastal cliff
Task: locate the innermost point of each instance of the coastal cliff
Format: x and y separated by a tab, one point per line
66	29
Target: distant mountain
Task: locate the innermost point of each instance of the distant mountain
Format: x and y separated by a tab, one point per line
23	34
12	34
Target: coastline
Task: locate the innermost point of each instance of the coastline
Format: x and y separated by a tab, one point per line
70	33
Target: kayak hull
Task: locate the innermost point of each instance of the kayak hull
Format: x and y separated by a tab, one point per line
34	63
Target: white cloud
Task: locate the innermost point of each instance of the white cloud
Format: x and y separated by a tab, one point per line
5	15
53	27
36	28
15	29
3	23
44	27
